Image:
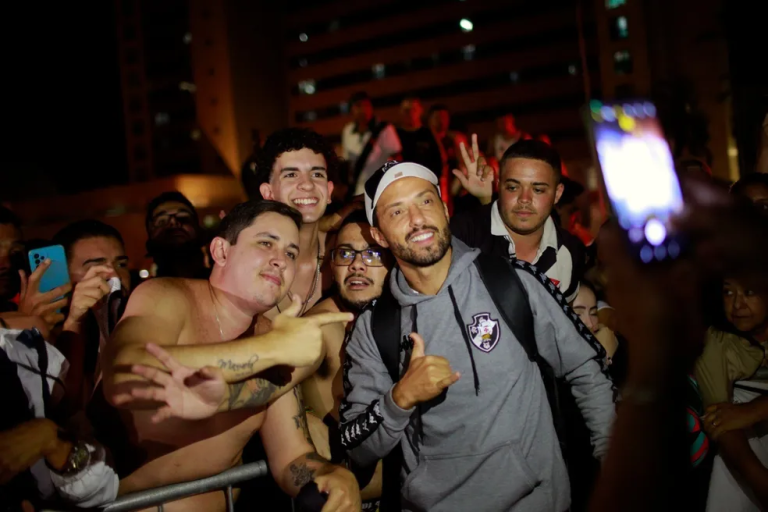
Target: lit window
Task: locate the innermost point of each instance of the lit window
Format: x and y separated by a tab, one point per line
468	52
573	69
344	107
379	71
195	134
310	116
303	37
514	77
622	62
162	118
187	38
619	28
303	63
307	87
466	25
613	4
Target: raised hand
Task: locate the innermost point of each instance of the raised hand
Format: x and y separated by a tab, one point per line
479	177
87	294
426	377
187	393
301	339
34	303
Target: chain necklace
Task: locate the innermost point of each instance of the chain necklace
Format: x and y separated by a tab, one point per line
215	312
312	289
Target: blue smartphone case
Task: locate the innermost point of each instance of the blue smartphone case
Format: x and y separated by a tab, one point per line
57	274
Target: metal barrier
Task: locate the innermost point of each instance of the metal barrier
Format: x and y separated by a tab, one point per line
158	496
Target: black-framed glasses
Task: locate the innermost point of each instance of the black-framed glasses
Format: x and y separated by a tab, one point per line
345	256
164	218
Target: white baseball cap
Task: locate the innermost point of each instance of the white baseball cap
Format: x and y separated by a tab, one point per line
389	173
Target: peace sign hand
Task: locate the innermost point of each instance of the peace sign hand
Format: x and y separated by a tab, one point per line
478	180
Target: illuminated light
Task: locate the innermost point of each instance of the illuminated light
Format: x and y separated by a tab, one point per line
188	86
627	123
344	107
673	249
597	117
595	105
660	252
310	116
307	87
572	70
303	37
649	109
187	38
733	151
466	25
635	235
209	221
639	111
162	118
628	109
646	254
608	114
303	63
618	111
195	134
469	52
514	77
143	273
655	232
379	71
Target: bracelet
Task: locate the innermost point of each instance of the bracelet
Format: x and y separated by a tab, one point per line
78	459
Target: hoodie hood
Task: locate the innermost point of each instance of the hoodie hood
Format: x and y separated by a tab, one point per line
462	256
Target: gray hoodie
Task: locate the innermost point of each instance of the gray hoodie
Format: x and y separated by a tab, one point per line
488	443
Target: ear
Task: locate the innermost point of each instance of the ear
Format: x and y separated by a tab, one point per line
445	209
330	192
266	191
559	192
220	251
379	237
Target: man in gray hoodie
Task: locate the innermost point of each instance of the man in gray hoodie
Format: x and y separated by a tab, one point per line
483	443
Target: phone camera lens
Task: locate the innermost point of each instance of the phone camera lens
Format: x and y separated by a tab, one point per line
37	256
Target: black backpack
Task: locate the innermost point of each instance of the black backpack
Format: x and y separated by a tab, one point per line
511	299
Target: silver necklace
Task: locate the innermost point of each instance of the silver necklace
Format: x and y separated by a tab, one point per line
313	287
215	312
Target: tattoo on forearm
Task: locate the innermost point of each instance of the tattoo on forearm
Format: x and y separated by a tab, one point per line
244	368
255	392
301	474
300	419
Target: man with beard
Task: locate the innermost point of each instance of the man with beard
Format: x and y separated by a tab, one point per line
174	234
519	224
469	411
360	267
208	375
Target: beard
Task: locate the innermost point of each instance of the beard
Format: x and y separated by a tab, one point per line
428	257
356	305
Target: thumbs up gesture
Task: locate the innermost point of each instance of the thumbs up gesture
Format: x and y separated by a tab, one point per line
426	377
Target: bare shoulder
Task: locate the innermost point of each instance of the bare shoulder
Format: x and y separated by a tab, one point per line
156	295
324	306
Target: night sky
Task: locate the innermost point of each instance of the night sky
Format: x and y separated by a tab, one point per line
62	107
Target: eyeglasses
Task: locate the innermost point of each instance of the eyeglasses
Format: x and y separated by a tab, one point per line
372	257
163	219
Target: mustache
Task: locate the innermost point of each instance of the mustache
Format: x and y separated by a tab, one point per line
359	277
529	210
423	228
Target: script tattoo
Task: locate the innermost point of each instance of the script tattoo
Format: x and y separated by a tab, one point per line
245	368
301	474
300	419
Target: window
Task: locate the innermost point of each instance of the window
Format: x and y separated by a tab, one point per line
379	71
162	118
468	52
613	4
307	87
573	69
622	62
619	28
514	77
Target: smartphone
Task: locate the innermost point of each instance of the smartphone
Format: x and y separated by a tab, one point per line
57	274
639	175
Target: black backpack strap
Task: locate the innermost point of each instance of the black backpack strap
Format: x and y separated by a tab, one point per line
385	325
510	298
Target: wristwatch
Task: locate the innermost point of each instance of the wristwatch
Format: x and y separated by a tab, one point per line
77	460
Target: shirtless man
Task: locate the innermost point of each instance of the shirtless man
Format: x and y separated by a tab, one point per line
293	168
255	258
360	267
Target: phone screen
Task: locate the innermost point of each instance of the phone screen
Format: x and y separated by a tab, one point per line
639	175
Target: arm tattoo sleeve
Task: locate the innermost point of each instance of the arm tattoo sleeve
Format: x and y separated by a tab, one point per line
254	392
300	419
301	474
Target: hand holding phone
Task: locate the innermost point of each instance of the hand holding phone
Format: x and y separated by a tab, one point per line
43	292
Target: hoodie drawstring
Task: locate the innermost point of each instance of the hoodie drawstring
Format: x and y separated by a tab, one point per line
457	314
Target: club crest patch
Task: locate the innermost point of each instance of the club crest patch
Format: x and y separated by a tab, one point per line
484	331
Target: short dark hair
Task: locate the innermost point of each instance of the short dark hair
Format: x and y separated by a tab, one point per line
756	178
167	197
358	96
438	107
8	217
356	217
293	139
244	214
83	229
534	150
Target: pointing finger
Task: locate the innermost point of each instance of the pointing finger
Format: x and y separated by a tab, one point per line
330	318
295	308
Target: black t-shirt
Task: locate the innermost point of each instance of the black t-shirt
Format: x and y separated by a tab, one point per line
420	146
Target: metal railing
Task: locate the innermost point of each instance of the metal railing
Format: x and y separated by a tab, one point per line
156	497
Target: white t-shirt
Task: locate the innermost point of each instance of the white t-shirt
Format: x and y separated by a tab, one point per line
353	143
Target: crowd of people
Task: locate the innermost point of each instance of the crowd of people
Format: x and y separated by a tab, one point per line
413	325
